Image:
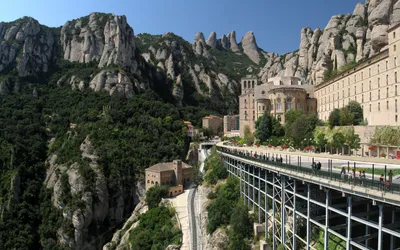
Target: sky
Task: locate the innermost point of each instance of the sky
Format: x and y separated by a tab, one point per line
275	23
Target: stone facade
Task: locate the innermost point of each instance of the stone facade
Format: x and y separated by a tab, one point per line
275	96
214	123
172	174
231	125
373	83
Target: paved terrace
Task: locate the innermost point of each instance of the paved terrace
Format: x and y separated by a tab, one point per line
366	188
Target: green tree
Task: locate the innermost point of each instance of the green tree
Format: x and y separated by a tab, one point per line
353	141
320	139
238	243
303	128
346	117
248	136
241	224
338	140
334	118
266	127
356	109
155	194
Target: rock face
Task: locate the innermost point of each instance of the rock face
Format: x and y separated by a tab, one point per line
98	205
212	40
233	43
28	45
115	83
107	39
345	39
250	47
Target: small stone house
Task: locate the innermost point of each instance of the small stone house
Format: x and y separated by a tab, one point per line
175	174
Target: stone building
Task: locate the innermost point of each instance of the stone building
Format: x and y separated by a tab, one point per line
373	83
274	97
214	123
231	125
175	174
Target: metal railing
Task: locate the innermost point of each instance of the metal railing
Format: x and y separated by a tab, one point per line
383	186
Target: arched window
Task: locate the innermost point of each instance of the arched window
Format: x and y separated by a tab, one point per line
252	84
152	182
387	80
387	92
279	118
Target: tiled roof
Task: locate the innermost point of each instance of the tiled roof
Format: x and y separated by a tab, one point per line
168	166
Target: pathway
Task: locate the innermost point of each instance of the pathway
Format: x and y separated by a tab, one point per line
180	204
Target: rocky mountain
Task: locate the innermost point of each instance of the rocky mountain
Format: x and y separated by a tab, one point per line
346	39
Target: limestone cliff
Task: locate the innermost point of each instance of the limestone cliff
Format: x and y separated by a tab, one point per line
92	203
26	46
345	39
105	38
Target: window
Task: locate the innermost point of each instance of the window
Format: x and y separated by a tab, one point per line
378	68
348	81
394	48
348	93
279	106
387	92
362	98
387	80
252	84
263	107
395	118
395	105
369	85
387	105
370	108
362	87
259	108
370	96
394	35
379	82
386	64
342	93
395	61
395	77
379	94
379	106
395	90
369	72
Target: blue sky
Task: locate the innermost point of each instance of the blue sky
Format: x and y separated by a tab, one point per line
276	23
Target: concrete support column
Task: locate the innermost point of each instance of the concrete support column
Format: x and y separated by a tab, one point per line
254	188
273	213
326	238
283	210
294	215
367	229
308	218
348	222
248	186
259	195
266	205
380	227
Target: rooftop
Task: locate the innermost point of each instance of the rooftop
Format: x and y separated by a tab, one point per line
211	117
167	166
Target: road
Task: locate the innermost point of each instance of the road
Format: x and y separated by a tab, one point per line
194	210
192	219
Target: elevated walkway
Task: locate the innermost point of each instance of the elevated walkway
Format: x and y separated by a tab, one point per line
366	188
